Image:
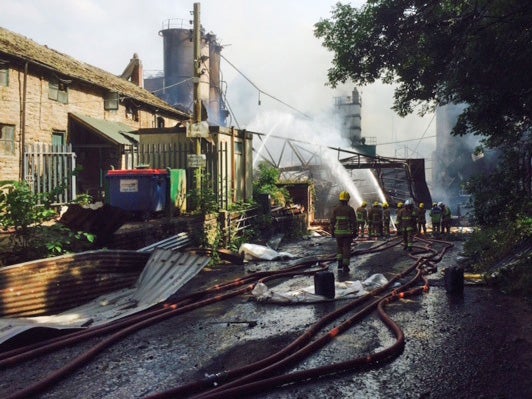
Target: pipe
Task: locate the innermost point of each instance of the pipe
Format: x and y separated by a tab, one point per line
23	122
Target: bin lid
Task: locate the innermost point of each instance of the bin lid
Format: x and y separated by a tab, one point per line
136	172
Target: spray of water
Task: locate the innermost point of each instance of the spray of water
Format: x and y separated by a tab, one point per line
265	140
319	134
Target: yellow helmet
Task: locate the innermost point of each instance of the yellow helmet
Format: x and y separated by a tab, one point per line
364	203
344	196
385	205
399	205
421	205
376	203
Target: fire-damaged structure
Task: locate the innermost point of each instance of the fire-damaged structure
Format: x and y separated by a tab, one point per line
376	178
398	178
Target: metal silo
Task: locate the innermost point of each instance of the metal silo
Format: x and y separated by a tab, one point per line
178	86
178	52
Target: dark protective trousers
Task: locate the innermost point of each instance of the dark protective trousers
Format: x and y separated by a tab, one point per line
343	252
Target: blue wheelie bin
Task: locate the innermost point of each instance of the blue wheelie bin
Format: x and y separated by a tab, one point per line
141	191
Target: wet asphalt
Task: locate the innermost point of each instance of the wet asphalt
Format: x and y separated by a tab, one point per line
473	344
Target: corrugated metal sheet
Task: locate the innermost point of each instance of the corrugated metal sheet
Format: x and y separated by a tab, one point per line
178	241
165	273
52	285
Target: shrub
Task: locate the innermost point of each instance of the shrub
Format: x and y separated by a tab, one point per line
26	214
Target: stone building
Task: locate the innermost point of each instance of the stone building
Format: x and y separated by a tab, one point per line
52	103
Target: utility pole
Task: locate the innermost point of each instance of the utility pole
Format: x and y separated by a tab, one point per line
197	65
197	97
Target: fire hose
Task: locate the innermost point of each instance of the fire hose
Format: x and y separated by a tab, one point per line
253	383
188	303
134	324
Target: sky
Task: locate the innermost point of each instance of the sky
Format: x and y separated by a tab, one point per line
270	42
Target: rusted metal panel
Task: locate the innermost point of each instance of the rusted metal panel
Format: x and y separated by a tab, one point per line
54	284
164	272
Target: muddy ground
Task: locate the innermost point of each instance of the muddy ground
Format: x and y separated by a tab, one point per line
470	345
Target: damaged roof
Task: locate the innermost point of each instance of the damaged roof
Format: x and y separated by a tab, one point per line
25	49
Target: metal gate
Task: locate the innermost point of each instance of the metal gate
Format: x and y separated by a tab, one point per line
47	167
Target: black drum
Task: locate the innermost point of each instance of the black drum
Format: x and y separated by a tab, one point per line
324	284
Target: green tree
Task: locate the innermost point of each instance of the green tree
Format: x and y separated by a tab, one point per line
265	181
437	52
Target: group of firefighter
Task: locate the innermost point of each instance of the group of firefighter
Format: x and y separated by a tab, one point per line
348	223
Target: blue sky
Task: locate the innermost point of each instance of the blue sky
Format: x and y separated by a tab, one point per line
271	42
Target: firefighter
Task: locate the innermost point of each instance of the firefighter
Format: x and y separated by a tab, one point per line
362	218
408	224
343	228
386	219
375	220
445	219
421	219
435	218
398	218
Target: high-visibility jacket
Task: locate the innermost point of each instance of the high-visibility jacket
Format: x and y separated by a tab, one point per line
362	214
435	214
375	215
408	219
421	218
386	215
446	214
343	221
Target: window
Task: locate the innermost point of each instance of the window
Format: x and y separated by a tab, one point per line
58	91
58	138
7	139
160	122
239	147
4	76
110	102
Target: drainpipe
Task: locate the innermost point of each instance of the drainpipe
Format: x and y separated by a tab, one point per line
23	123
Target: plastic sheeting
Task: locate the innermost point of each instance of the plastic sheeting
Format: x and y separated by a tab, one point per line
343	290
255	251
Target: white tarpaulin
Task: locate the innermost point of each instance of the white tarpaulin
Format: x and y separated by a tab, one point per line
343	290
255	251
